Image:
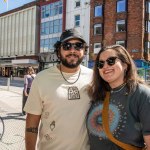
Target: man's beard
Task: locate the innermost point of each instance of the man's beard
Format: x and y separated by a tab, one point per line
71	64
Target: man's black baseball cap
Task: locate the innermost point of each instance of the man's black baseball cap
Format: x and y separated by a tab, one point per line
71	34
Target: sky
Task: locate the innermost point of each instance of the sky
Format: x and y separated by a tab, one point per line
12	4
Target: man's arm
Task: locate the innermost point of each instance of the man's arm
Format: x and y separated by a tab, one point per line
147	141
31	131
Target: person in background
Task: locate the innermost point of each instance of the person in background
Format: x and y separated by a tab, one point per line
28	78
58	101
129	103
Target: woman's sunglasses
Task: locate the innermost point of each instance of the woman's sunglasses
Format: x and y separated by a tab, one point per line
68	46
110	61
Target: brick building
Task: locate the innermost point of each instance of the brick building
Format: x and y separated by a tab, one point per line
124	22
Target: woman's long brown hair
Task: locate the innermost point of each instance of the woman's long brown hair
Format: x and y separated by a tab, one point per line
98	86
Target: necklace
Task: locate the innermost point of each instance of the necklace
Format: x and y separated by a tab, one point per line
67	80
119	88
73	91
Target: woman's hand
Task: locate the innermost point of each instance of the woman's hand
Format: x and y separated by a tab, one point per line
25	93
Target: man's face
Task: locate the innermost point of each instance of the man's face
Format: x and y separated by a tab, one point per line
72	53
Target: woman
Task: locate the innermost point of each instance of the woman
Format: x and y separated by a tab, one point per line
28	78
129	102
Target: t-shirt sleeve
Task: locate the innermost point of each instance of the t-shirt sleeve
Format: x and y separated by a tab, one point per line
144	110
34	102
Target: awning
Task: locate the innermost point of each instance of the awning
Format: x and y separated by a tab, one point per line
25	62
6	65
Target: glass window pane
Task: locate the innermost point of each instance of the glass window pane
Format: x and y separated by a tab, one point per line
47	11
97	47
121	5
77	4
98	11
97	29
120	26
77	20
121	43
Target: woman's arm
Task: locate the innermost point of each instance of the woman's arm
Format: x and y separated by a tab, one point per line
147	141
25	85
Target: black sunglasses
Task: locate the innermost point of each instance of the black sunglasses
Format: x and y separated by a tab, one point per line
110	61
77	46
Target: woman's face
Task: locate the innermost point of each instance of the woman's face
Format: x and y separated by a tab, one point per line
113	69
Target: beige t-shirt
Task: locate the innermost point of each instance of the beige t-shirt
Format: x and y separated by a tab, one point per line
63	108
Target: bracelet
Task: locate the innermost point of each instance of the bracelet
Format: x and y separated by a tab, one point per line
32	129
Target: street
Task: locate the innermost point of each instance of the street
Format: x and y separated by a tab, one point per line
10	111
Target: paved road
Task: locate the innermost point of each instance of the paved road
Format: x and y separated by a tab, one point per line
14	85
10	111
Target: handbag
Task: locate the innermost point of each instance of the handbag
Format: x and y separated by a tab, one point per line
105	121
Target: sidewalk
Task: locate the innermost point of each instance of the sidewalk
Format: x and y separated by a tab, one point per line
10	111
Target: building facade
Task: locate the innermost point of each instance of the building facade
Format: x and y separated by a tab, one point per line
77	16
124	22
56	16
19	30
51	26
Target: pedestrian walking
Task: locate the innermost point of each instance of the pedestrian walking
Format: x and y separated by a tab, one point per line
28	78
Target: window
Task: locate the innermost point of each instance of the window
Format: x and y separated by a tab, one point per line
97	29
52	41
41	45
98	11
50	27
121	6
77	4
147	28
121	43
42	11
46	27
47	12
42	29
97	47
47	45
51	9
148	7
120	26
147	47
77	20
57	25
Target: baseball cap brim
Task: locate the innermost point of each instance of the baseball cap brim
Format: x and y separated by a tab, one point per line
73	37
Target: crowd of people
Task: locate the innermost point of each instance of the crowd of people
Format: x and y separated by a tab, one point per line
72	107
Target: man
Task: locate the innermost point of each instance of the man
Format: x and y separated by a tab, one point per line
58	101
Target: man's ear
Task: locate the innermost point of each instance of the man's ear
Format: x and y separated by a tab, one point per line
58	53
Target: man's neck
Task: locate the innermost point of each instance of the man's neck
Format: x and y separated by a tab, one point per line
68	70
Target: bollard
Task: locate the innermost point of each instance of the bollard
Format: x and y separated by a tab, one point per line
8	84
11	77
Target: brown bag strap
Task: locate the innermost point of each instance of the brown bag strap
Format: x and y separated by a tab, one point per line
105	120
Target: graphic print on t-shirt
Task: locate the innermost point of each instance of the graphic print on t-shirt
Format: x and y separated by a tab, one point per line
94	121
73	93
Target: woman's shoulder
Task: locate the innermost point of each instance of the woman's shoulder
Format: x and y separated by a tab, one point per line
143	89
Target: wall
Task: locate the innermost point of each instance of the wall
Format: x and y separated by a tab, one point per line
19	32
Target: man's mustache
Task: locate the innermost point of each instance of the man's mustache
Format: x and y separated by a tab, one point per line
72	55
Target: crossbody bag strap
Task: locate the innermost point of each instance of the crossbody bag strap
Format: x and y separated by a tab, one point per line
105	120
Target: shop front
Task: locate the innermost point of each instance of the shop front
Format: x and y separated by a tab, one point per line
20	65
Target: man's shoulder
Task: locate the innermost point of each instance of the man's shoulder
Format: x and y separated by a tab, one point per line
46	72
86	69
142	88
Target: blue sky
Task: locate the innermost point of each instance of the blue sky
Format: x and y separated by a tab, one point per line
12	4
